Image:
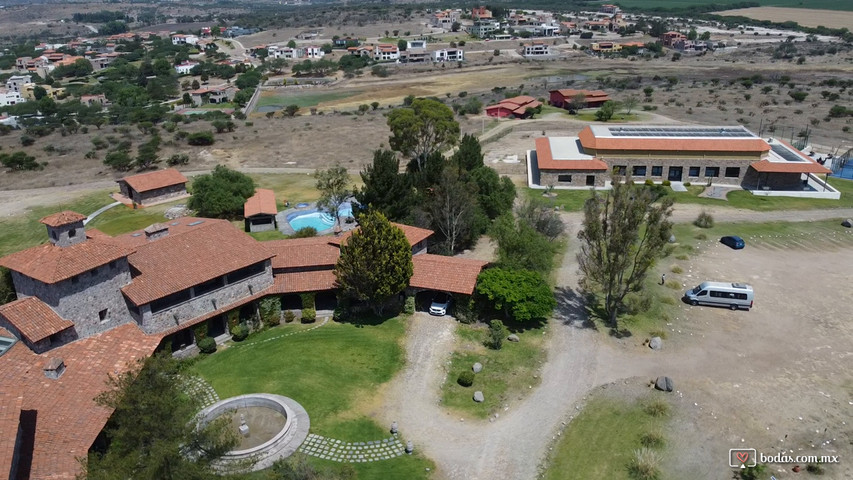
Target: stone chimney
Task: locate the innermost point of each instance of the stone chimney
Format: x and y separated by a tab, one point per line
158	230
54	368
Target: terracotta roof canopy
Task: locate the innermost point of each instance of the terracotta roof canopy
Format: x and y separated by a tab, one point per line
153	180
65	217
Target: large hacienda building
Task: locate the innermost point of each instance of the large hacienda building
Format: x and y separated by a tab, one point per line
89	303
730	155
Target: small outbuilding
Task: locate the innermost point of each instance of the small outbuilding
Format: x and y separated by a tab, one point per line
260	210
154	187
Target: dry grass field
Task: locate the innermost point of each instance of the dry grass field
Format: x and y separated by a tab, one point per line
803	16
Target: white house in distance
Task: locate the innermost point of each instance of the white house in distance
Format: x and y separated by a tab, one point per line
386	52
185	68
180	39
448	55
314	51
16	82
536	49
288	53
10	97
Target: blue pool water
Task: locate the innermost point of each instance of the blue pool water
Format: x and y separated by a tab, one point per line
318	219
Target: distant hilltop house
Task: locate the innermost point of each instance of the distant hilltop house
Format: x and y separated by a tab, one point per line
448	55
153	187
484	28
564	97
180	39
729	155
444	18
90	100
515	107
481	13
669	39
236	31
386	52
16	83
213	95
536	49
185	68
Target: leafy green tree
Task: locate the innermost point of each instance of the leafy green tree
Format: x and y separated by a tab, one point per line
221	193
119	160
375	262
152	433
540	215
146	156
402	45
291	110
630	103
469	155
19	161
606	112
200	138
692	34
494	194
520	246
385	189
427	125
624	232
334	188
497	333
520	295
39	92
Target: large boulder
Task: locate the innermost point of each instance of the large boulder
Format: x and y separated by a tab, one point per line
664	384
513	338
477	368
478	397
847	223
655	343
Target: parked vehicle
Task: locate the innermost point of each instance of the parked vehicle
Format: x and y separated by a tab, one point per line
732	295
733	241
440	305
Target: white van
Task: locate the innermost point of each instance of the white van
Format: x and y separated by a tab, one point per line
732	295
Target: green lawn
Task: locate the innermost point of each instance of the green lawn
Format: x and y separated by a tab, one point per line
24	231
599	443
329	371
294	187
303	100
122	219
572	200
507	373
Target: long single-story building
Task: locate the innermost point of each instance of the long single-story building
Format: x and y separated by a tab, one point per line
154	187
727	155
564	97
260	210
516	107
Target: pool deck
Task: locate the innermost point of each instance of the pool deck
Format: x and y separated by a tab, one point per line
285	228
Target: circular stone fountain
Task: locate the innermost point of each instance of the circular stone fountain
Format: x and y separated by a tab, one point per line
269	427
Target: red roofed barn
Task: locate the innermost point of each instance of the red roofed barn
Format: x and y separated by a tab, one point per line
515	107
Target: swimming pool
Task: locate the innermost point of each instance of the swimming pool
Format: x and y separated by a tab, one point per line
318	219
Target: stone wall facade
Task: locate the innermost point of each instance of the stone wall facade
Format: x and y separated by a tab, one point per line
197	306
85	298
160	194
574	178
260	223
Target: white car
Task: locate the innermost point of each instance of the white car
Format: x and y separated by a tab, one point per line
440	304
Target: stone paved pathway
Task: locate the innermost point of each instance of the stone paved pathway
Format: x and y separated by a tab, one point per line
198	387
238	345
352	452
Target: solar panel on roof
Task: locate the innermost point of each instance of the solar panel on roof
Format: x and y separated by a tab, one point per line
197	222
786	154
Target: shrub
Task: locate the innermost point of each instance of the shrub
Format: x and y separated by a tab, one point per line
497	332
815	468
673	284
753	473
200	138
309	315
466	378
27	140
682	257
307	300
289	316
676	269
19	161
652	439
270	308
657	408
239	332
409	306
666	183
644	465
207	345
704	220
649	182
305	233
687	184
178	159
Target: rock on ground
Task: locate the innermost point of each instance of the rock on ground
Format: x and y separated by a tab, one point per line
477	368
664	384
656	343
513	338
847	223
478	397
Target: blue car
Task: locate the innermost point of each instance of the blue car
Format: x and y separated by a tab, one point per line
733	241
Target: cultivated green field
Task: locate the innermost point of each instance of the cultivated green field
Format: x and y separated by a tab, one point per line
302	100
845	5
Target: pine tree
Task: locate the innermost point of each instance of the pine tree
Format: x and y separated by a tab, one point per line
385	189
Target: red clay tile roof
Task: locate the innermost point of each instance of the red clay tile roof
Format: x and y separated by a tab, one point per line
34	319
67	420
517	105
546	161
750	145
303	252
153	180
261	203
178	261
446	274
789	167
591	95
62	218
299	282
413	234
10	414
51	264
